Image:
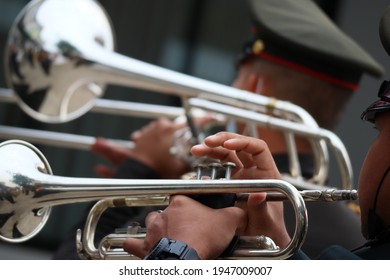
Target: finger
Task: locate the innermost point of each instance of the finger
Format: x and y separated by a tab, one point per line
177	126
151	218
135	135
104	171
258	150
220	153
204	150
136	247
255	203
240	145
100	145
161	123
168	127
245	158
223	138
104	145
220	138
255	200
110	152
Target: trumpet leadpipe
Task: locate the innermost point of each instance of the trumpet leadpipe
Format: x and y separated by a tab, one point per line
328	195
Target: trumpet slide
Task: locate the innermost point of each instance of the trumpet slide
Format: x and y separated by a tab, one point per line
71	69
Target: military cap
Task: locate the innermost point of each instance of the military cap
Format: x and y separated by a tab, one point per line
383	104
299	35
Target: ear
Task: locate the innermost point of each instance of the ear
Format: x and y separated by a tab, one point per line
251	82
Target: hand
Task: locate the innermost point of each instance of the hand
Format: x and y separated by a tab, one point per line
264	218
114	154
184	219
208	231
252	157
254	161
152	148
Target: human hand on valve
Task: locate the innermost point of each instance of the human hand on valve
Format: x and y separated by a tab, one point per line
209	231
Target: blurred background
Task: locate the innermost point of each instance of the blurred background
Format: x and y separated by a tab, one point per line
196	37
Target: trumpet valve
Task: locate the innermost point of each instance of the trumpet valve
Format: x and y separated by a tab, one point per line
214	170
229	166
215	167
134	229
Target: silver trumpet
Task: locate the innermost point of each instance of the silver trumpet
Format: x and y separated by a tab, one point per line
260	247
60	58
28	190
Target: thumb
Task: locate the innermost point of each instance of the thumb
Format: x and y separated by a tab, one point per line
253	206
135	246
255	200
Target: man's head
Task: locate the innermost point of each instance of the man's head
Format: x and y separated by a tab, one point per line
274	80
300	55
374	180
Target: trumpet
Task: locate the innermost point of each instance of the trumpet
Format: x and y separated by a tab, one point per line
57	74
28	190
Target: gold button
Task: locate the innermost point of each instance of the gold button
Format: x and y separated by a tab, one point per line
258	46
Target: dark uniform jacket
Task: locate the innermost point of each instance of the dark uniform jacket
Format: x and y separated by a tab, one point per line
336	252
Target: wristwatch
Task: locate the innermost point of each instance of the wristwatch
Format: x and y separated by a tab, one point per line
168	249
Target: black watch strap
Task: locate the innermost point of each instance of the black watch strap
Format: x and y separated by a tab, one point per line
168	249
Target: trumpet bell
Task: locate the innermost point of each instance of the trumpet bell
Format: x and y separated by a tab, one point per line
46	54
18	221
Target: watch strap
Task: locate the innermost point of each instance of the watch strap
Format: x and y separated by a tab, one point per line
168	249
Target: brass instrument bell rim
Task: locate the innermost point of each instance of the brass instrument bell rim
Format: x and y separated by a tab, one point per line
42	214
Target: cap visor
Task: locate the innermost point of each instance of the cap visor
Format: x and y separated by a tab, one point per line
376	107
